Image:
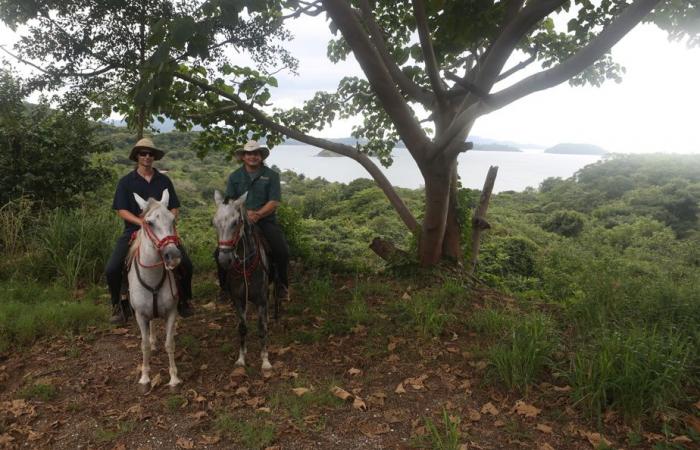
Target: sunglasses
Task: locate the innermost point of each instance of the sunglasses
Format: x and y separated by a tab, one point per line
144	154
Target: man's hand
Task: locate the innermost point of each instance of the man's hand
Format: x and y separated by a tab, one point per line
254	216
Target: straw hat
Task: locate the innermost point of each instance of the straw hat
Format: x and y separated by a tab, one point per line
146	144
253	146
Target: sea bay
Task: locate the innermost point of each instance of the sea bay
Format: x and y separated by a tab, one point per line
516	170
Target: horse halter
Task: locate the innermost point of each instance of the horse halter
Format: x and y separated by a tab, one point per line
230	245
160	243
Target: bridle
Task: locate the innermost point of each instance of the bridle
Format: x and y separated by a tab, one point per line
231	244
242	266
159	244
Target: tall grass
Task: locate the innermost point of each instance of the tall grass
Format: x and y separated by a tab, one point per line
14	218
636	372
526	352
77	243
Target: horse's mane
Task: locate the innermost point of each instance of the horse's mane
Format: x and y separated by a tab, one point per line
150	206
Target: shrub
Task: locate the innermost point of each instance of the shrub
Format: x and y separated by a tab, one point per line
566	223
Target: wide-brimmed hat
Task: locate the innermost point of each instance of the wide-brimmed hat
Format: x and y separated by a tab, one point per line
146	144
253	146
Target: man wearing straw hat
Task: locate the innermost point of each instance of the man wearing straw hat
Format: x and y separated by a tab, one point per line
263	187
148	182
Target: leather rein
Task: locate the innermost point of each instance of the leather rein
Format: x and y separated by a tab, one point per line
242	266
158	244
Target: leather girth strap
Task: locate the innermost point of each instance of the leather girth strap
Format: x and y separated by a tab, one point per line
153	290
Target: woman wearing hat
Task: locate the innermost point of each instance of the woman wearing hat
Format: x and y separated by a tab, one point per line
148	182
263	187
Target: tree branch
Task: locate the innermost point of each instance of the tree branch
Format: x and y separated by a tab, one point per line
379	78
582	59
341	149
58	73
503	46
431	65
410	88
520	66
306	9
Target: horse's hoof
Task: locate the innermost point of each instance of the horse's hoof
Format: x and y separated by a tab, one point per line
174	387
266	365
144	388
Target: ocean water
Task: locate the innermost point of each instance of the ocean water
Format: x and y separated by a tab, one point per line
516	171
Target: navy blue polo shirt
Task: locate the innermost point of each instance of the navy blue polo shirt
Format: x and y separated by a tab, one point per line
132	183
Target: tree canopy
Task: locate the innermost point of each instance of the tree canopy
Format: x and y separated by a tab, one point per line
432	68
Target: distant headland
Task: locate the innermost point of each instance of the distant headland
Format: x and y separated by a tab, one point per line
576	149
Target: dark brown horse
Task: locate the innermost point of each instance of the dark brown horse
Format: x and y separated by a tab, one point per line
242	254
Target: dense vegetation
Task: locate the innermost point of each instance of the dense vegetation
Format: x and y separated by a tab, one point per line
602	268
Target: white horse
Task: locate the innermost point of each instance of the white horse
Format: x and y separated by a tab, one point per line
152	286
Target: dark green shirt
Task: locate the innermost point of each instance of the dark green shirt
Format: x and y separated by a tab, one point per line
261	188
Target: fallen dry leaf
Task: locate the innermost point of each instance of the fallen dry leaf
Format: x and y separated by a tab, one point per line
242	391
119	446
281	351
377	398
393	358
400	389
341	393
238	372
358	403
396	415
6	439
300	391
372	429
545	446
416	382
406	296
197	416
120	331
566	388
546	429
653	437
214	326
209	440
473	415
525	409
156	381
595	439
498	423
452	349
265	409
489	408
255	402
693	422
353	371
391	346
184	443
682	439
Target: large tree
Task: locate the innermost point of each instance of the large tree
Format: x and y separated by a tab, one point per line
431	70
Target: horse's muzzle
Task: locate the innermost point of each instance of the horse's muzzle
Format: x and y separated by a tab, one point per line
171	257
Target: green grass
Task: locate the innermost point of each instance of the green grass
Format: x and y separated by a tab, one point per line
424	313
189	343
175	402
252	433
298	407
39	391
526	352
35	312
635	372
103	435
318	295
491	322
443	435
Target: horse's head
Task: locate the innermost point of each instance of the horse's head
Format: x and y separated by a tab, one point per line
229	222
159	227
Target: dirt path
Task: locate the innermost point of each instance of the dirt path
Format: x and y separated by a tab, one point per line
397	386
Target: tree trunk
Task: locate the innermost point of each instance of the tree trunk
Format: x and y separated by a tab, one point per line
479	222
437	196
451	246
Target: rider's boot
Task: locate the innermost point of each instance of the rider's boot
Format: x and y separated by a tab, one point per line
118	315
184	307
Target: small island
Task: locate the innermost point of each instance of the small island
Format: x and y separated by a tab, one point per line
495	148
576	149
328	154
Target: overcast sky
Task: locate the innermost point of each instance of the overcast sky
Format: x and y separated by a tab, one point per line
654	109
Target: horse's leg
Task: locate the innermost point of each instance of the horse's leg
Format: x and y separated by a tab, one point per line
170	325
262	332
241	306
152	337
144	326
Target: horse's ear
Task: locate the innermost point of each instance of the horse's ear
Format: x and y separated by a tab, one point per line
140	201
241	200
165	198
218	198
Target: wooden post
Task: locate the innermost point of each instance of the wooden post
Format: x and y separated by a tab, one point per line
479	222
